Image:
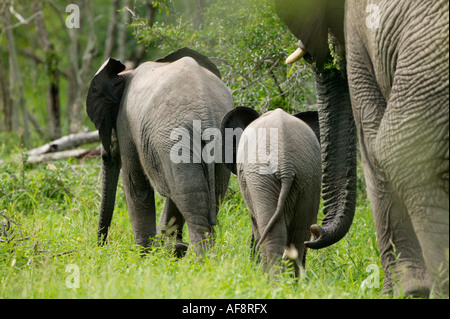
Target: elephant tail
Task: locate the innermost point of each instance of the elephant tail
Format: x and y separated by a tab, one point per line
286	184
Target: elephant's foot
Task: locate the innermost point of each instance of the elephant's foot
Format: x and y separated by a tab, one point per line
175	245
412	288
412	283
181	249
144	250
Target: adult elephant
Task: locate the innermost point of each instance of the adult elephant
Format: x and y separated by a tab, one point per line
140	116
393	88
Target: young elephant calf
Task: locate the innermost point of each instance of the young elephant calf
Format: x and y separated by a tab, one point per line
277	160
141	116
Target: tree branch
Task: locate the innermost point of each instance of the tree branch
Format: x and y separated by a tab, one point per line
258	78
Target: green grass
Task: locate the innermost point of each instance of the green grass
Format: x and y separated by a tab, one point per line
57	212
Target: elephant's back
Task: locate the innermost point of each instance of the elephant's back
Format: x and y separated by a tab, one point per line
171	95
165	100
298	150
298	160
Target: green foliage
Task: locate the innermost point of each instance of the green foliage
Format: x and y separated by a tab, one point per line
249	44
334	62
245	38
56	211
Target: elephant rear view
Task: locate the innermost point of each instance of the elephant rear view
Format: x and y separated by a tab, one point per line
278	164
389	93
141	116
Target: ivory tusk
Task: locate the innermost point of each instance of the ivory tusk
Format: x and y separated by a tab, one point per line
294	57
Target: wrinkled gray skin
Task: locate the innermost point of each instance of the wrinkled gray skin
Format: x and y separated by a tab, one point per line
150	102
398	84
283	199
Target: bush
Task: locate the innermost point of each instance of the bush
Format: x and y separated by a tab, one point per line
249	44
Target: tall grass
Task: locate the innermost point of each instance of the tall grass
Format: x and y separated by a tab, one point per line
56	211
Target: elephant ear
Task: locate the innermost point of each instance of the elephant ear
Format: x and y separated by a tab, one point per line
312	119
103	99
310	22
233	124
201	59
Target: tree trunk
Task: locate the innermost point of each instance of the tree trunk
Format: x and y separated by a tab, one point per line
74	79
151	12
122	31
138	55
5	99
194	9
81	74
111	30
15	79
198	14
51	67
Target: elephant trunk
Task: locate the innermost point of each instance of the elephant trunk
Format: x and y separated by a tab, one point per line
110	177
338	144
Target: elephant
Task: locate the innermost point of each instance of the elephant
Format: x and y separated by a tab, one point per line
282	189
140	115
381	72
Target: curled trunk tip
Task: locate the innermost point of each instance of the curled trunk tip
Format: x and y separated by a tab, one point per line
327	235
317	234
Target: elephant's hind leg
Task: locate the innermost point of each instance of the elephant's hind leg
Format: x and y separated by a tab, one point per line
194	207
401	253
171	224
190	193
171	220
140	201
411	147
263	199
303	216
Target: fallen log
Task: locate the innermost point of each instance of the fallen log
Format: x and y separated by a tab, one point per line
49	157
64	143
